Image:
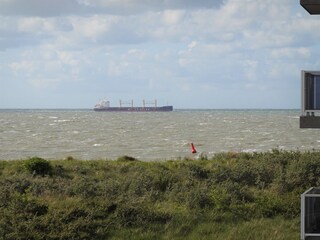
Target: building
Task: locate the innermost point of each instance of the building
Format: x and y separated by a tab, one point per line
310	99
310	83
312	6
310	214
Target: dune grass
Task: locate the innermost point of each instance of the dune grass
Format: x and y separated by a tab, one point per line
230	196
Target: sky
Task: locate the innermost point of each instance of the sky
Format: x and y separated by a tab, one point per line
187	53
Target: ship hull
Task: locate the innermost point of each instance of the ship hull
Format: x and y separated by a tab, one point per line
135	109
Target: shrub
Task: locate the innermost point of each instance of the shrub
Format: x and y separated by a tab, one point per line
70	158
38	166
126	159
304	172
133	215
199	198
198	172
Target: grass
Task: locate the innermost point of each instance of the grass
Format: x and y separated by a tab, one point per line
230	196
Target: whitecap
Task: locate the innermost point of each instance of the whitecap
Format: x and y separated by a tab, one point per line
61	121
250	150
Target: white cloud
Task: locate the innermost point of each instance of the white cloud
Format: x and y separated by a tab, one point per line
138	54
93	27
43	82
25	66
282	53
192	45
49	8
34	24
171	17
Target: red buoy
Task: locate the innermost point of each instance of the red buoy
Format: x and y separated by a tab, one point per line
193	149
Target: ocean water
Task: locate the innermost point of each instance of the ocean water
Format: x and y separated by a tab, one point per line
85	134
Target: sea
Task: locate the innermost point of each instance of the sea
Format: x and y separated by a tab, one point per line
87	135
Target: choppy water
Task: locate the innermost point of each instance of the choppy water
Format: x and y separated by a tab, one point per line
85	134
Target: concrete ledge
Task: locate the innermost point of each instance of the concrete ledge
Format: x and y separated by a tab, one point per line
312	6
309	122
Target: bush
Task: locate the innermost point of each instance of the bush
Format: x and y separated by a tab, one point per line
126	159
140	215
38	166
304	172
198	172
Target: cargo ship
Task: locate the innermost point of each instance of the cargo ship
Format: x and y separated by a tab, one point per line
104	106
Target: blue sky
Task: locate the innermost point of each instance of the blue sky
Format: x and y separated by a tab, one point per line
189	54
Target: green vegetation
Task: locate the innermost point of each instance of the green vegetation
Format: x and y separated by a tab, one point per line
38	166
231	196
